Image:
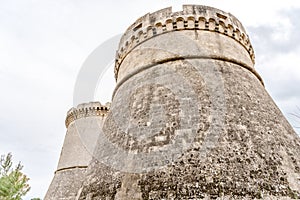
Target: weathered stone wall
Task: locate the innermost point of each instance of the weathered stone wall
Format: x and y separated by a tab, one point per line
188	94
65	184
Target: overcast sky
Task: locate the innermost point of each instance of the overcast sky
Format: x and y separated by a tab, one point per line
44	43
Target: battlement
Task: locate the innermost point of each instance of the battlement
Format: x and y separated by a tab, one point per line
87	110
192	17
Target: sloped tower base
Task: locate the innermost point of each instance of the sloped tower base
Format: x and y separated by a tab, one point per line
201	59
256	156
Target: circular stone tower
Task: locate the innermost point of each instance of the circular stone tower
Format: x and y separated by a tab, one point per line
82	124
190	117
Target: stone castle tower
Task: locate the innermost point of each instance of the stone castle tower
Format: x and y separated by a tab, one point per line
189	119
82	125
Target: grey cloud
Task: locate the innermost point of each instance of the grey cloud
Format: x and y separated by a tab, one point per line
261	35
280	77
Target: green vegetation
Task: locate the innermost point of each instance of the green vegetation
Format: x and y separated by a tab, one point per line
13	183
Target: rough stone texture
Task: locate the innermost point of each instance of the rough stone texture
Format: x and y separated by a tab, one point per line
104	185
83	124
256	156
66	184
160	75
188	95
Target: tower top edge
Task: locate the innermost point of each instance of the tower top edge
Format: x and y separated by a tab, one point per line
89	105
187	10
165	20
87	110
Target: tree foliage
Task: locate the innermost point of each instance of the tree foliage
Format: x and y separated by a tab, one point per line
13	183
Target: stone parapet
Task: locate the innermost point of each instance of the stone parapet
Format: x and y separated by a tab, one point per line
192	17
86	110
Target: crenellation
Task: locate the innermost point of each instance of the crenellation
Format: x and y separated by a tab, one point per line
87	110
191	18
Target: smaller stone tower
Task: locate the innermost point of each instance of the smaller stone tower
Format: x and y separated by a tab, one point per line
82	124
